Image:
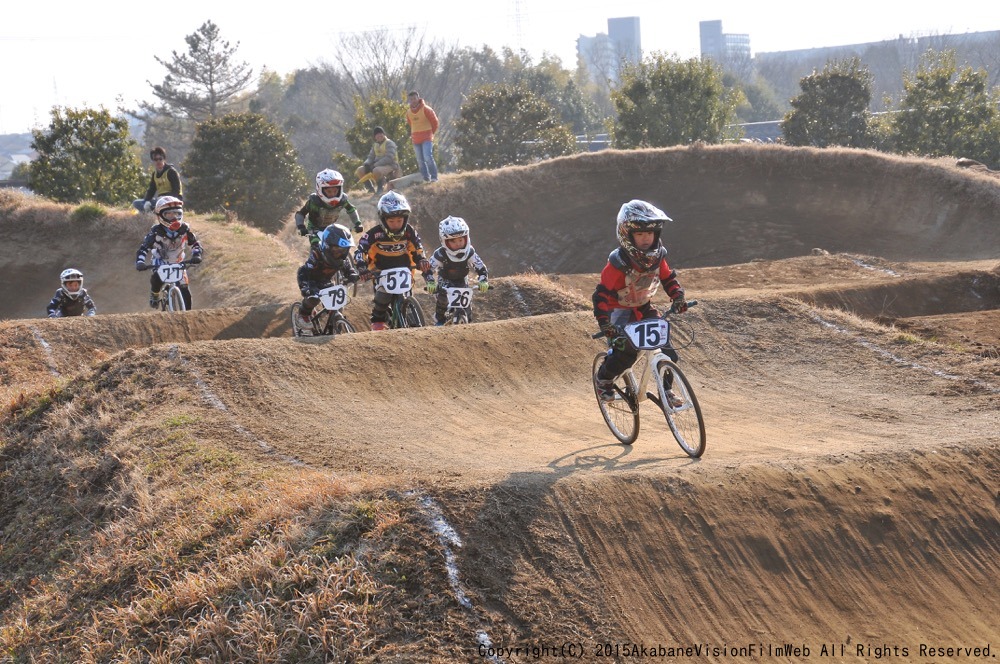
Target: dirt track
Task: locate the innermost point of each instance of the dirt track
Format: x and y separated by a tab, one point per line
850	494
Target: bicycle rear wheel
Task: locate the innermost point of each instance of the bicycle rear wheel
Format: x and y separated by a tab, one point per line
622	414
412	314
685	420
175	299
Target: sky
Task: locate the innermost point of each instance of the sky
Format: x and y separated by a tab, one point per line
89	55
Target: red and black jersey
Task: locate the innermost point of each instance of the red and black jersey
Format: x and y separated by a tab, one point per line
622	286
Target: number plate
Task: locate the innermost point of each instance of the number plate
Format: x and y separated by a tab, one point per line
333	298
648	334
458	298
170	273
395	281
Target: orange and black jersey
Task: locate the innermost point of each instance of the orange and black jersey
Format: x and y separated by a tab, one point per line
622	286
380	252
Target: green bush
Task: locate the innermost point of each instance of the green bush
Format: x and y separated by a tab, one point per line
88	211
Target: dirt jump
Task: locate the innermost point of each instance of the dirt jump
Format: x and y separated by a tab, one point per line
204	487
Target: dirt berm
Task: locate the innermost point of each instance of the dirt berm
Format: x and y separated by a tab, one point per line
202	487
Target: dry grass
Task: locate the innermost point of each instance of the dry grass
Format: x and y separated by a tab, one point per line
129	534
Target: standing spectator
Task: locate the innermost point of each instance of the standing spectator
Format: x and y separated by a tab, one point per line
423	124
381	160
165	181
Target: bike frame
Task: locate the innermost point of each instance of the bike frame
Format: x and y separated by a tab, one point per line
171	291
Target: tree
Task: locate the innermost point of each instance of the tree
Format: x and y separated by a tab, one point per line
378	112
832	108
86	155
242	162
504	124
946	111
203	83
666	101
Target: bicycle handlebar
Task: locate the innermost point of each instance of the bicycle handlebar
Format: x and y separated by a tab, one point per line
666	313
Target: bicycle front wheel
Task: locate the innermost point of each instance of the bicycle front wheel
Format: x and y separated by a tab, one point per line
684	415
342	326
622	413
175	300
412	314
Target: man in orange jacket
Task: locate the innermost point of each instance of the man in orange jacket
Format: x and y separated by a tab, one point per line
423	123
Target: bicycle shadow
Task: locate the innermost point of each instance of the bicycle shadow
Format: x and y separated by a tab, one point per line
579	460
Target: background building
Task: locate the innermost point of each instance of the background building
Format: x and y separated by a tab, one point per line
604	54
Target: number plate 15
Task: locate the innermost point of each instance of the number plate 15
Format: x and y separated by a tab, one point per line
649	334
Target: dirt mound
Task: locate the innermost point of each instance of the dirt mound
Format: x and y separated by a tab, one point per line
827	517
731	204
202	485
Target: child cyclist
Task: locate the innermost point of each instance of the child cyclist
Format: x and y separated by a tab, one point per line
451	263
634	272
392	243
326	260
166	242
324	207
71	299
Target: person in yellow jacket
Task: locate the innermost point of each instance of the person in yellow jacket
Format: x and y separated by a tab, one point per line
165	181
423	125
381	159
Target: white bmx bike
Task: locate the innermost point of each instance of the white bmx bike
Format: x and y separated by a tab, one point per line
653	375
173	276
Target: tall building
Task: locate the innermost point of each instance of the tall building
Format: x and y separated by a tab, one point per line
624	34
730	51
603	54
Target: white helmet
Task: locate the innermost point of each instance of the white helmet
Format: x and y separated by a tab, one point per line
330	178
639	215
71	275
451	228
174	206
393	204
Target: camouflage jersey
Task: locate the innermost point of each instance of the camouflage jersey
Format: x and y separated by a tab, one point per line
316	215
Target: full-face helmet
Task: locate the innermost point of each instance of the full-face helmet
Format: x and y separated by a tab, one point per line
335	243
170	211
635	216
393	205
69	276
330	186
452	228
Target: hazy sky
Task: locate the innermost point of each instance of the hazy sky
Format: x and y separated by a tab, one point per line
93	54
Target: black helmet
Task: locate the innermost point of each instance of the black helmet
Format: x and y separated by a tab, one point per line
335	242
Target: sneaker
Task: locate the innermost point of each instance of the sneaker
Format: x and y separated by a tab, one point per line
673	400
378	326
304	323
606	389
437	324
154	300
